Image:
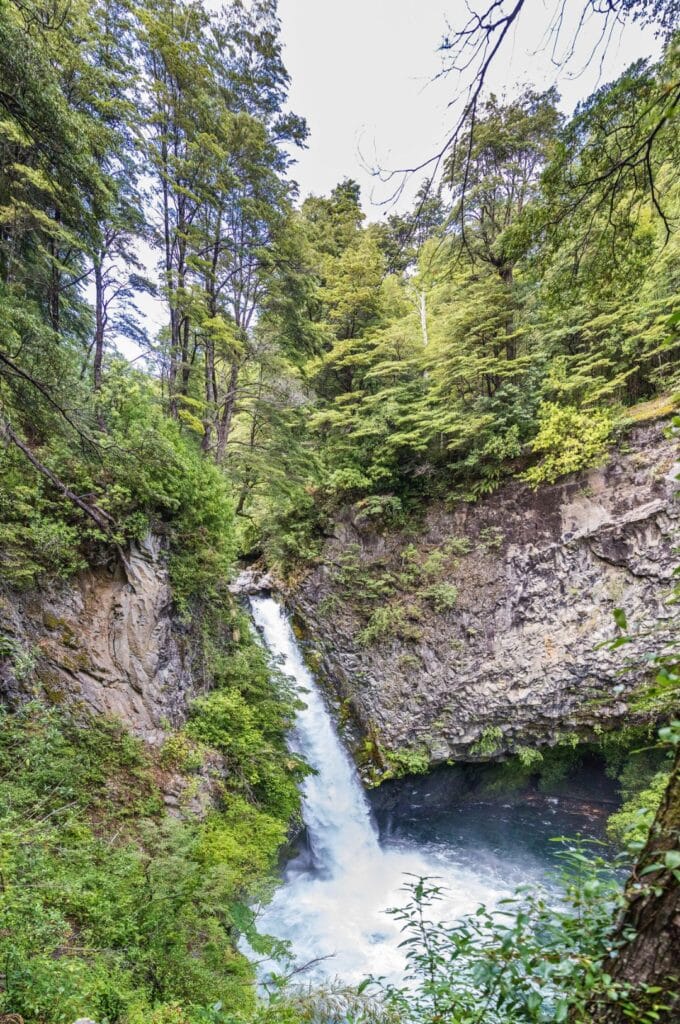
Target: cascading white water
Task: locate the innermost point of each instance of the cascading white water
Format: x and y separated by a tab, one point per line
332	905
334	806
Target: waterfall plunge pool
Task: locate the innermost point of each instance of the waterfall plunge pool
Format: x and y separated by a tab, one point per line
353	864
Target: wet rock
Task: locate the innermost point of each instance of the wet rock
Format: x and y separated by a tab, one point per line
538	576
252	581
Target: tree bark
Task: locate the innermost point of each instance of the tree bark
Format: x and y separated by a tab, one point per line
422	310
101	518
99	325
647	938
224	426
210	396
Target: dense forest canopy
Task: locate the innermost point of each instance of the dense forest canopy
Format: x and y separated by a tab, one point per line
504	326
513	323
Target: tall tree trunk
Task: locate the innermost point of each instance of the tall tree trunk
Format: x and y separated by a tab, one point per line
506	275
99	324
186	360
224	426
647	939
54	292
248	483
210	396
422	309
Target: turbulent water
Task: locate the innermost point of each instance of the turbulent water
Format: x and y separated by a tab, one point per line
332	904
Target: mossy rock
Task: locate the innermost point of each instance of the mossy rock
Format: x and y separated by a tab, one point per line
53	622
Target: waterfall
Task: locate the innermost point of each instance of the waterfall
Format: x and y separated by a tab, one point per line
336	812
332	904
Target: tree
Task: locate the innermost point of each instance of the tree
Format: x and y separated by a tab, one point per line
494	175
643	967
179	141
469	52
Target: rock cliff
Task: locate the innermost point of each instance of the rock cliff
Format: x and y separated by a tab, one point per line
478	631
107	641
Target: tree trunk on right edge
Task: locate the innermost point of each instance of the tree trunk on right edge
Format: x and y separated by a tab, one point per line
647	939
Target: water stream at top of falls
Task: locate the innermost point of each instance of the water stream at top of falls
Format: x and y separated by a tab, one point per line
332	903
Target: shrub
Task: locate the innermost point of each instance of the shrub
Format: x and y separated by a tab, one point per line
387	620
632	822
531	959
442	596
568	439
489	742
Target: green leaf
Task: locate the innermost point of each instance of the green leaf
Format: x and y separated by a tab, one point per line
620	618
656	866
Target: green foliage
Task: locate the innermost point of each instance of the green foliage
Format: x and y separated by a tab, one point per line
489	742
229	723
557	764
518	327
181	753
458	546
442	596
246	718
406	761
568	440
529	757
631	824
36	543
391	620
385	621
63	787
530	960
145	474
308	360
108	906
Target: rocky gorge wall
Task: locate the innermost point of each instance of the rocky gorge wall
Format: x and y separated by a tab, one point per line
108	641
478	631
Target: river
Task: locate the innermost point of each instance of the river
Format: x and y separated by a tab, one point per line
332	904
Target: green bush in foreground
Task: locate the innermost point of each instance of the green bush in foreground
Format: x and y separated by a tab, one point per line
533	960
108	907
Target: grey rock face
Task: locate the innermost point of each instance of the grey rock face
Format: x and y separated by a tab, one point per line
252	581
518	653
107	642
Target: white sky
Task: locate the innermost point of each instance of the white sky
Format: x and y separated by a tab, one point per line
362	75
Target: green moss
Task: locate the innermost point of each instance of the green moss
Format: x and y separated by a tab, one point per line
408	662
51	622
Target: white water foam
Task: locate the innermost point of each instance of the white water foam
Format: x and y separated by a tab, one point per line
332	904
